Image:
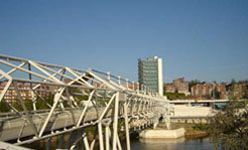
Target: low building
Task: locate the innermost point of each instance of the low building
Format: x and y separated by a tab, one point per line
170	88
182	86
209	91
25	91
178	86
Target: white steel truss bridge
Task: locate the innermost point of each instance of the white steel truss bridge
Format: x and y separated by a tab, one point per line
40	100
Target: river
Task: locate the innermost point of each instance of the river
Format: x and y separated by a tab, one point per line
180	144
136	144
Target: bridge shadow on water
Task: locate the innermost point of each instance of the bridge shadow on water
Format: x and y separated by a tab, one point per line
172	144
64	141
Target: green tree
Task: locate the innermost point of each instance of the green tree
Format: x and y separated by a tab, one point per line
174	96
230	126
3	107
41	104
29	104
245	90
215	93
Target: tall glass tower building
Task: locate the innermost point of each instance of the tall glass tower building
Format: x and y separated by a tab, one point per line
150	72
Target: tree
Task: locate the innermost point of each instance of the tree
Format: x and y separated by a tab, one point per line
41	104
245	90
3	107
215	93
230	126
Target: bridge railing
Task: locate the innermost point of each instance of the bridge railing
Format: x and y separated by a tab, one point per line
40	100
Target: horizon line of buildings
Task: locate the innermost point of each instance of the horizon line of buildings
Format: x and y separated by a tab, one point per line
150	75
208	90
150	80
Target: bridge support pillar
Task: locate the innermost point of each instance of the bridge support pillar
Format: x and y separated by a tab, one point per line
100	136
107	133
107	136
86	143
127	125
115	124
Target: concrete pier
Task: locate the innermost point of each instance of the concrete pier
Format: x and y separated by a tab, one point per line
162	134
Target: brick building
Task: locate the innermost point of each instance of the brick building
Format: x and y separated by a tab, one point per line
24	89
178	85
209	90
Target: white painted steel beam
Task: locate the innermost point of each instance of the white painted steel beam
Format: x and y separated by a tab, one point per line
107	101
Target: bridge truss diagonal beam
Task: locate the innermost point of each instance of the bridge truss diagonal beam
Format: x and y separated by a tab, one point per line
45	100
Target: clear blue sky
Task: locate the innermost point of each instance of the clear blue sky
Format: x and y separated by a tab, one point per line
198	39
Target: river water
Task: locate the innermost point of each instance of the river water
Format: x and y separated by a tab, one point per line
179	144
137	144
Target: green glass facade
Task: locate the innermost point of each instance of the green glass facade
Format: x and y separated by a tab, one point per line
148	73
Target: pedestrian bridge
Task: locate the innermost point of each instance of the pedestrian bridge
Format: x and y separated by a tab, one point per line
41	100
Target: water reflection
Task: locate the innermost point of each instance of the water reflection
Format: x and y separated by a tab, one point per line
64	142
162	141
171	144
